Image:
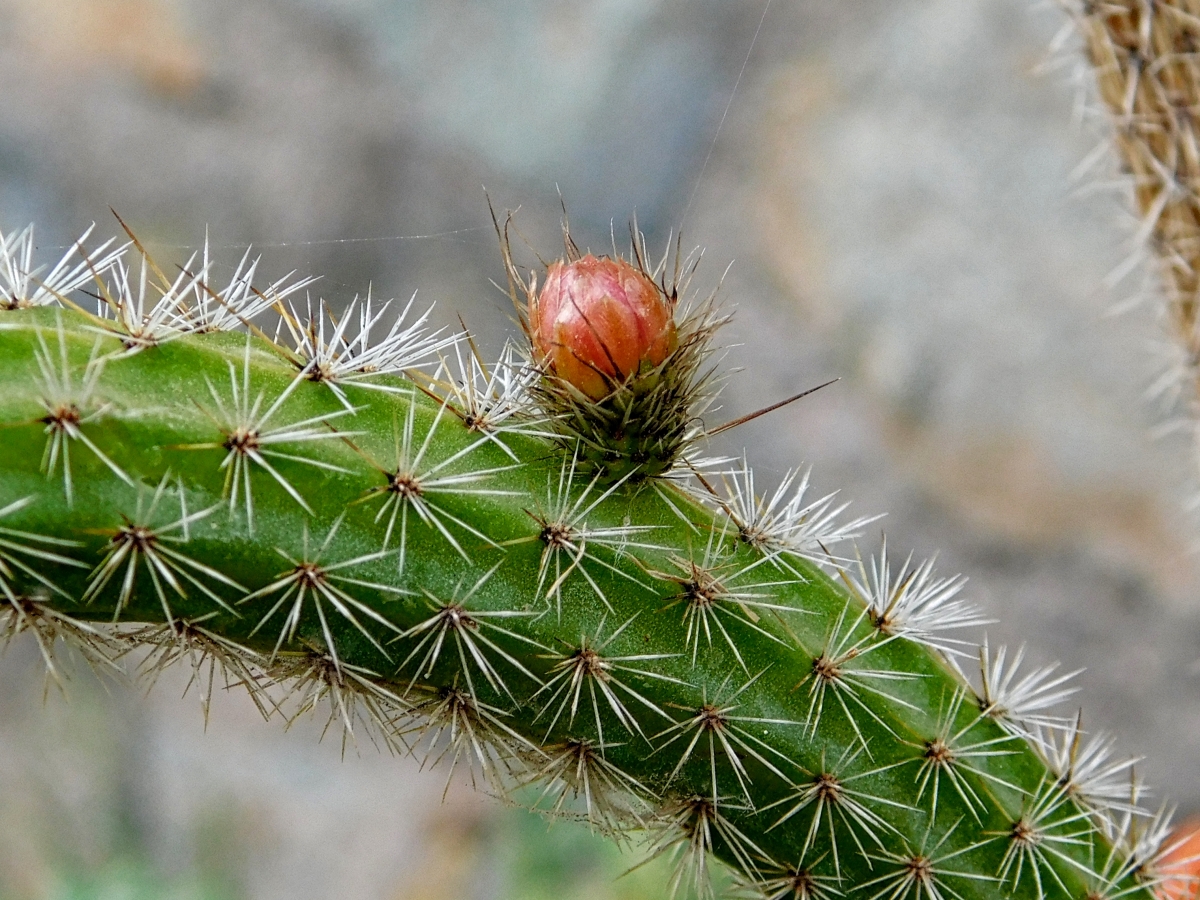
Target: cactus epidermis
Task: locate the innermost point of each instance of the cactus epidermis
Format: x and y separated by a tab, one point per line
674	655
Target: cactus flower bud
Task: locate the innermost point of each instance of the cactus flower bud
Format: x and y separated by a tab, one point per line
1179	867
597	322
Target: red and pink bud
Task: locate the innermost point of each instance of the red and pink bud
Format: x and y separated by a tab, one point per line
597	322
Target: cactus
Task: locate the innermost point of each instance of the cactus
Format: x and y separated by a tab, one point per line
444	555
1147	88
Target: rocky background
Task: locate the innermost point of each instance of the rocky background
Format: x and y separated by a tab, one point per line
893	183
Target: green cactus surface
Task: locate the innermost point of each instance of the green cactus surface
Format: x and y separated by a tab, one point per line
676	657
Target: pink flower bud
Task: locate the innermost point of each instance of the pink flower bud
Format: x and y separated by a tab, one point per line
597	322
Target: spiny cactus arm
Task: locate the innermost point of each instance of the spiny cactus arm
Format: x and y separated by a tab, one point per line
625	652
1147	78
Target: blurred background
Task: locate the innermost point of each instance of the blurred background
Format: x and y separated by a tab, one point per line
892	184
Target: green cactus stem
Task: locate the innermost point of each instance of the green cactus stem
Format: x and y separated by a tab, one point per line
678	657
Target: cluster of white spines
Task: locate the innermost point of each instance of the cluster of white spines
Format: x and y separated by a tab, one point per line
145	306
412	484
24	285
328	350
912	602
1020	699
232	307
144	314
491	400
1085	763
786	521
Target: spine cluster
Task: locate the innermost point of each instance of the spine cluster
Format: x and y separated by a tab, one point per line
362	516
